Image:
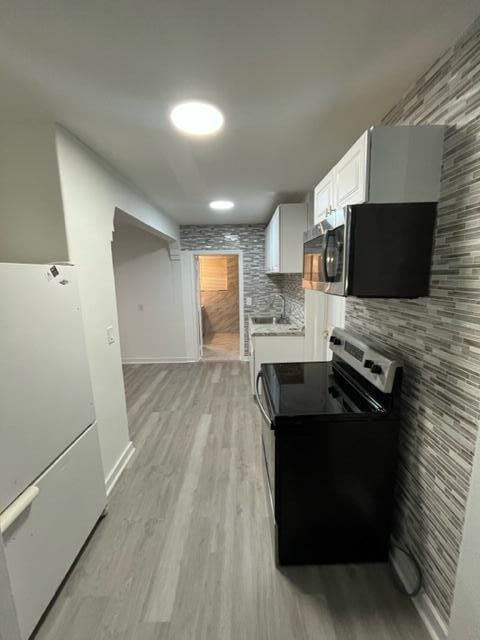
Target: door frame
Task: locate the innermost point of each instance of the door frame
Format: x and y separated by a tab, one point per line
190	300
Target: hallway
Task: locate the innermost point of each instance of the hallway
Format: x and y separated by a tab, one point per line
219	284
185	552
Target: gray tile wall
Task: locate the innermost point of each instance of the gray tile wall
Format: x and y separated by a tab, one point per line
290	285
250	239
438	338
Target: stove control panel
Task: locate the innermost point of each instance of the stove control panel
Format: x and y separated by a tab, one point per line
375	366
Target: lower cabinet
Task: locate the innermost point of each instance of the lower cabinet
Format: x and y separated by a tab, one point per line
41	545
274	349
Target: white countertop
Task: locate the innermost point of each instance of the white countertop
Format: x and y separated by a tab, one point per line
290	329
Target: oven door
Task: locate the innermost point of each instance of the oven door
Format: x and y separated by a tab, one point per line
325	255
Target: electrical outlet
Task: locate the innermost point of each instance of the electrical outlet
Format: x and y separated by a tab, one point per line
248	301
110	335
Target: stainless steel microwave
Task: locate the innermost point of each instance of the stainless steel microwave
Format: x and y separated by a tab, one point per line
325	265
372	250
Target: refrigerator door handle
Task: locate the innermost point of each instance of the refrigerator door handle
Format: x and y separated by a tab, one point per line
15	510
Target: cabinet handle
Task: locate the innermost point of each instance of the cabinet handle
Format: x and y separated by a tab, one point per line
15	510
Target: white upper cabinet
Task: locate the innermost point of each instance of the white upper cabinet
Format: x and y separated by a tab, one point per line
274	228
323	197
351	174
284	239
268	248
386	164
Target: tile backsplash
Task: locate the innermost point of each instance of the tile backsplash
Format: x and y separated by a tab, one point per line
290	285
438	338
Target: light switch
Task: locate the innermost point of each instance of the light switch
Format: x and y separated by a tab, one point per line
248	301
110	335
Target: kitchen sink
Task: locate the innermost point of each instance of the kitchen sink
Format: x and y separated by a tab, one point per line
270	320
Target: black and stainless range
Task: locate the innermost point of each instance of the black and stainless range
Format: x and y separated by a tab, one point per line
330	448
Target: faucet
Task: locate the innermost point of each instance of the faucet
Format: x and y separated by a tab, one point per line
279	295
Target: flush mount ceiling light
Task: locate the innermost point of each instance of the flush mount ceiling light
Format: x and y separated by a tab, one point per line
221	205
197	118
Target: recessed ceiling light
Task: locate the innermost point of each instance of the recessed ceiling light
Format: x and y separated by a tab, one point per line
197	118
221	205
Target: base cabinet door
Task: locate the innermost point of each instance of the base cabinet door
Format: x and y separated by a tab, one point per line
41	545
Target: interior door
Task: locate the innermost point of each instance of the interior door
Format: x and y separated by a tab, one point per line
198	297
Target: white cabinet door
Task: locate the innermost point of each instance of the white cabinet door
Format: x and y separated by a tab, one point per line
351	174
276	241
273	262
268	247
324	197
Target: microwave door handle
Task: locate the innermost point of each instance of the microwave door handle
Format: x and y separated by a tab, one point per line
328	235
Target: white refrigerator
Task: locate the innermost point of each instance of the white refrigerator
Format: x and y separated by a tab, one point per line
52	488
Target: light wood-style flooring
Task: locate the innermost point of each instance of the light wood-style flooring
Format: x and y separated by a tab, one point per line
185	552
221	346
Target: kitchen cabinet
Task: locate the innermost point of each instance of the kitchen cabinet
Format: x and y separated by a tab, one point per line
283	348
323	196
284	239
272	244
387	164
351	175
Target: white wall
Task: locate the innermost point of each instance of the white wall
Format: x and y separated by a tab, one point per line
32	227
91	192
9	629
149	297
465	617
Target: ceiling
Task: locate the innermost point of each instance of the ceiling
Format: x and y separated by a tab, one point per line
297	82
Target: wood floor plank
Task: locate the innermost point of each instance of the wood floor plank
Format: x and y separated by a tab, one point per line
186	549
163	587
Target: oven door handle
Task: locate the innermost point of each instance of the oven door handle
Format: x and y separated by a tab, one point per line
328	235
257	397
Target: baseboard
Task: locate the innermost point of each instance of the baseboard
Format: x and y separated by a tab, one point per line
431	618
119	466
157	360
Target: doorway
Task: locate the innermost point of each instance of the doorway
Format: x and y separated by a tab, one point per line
218	300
